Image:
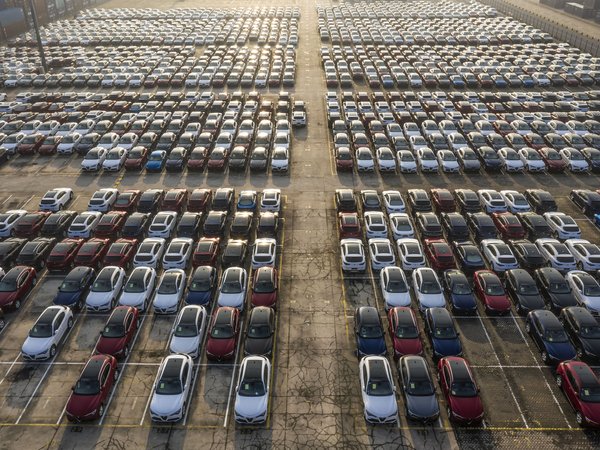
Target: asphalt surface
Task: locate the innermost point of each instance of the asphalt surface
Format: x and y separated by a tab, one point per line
315	398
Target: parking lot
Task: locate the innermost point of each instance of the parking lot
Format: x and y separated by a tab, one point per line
315	398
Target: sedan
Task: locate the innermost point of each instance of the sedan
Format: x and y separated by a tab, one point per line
582	389
586	290
549	336
260	332
418	389
460	390
223	334
172	388
442	333
427	289
138	288
188	331
583	331
232	290
119	332
489	289
170	291
378	390
105	290
404	331
370	338
252	391
459	291
47	333
16	285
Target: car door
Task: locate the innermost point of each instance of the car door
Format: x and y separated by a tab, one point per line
538	332
186	378
59	327
105	381
444	381
571	388
129	328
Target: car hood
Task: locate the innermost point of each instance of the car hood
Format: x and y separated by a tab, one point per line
250	406
374	346
7	297
219	347
431	300
447	347
33	346
132	298
198	298
66	298
165	300
563	300
261	346
234	300
498	302
591	346
467	407
81	405
266	299
165	405
383	406
561	351
98	298
466	301
408	346
422	405
188	345
531	302
397	299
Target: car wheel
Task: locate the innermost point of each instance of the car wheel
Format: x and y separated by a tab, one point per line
12	233
579	418
449	412
42	264
545	357
101	410
79	305
70	323
579	265
34	282
2	324
580	353
138	323
559	380
528	327
126	351
17	305
53	351
116	375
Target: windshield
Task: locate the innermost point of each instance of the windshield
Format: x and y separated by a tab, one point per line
87	386
259	331
590	332
430	287
406	332
528	289
186	330
8	285
70	286
168	286
135	286
41	330
169	386
444	333
592	291
559	288
396	287
113	330
463	389
557	335
252	388
461	289
231	287
379	388
371	332
222	332
102	285
156	157
420	387
590	394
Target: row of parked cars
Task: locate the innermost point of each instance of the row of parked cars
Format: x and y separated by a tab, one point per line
450	273
432	131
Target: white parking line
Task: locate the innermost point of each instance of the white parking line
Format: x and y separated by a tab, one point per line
12	364
26	201
196	374
4	328
237	352
6	201
148	401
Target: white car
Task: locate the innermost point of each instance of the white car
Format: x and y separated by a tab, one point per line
103	199
427	289
93	159
586	290
447	161
188	331
406	161
375	224
586	253
85	127
378	390
557	254
84	224
105	289
511	162
498	255
574	160
426	160
9	220
264	252
232	290
115	159
394	287
178	253
532	160
47	333
393	202
386	162
280	159
149	253
252	391
169	292
364	160
401	226
172	388
163	224
68	143
138	288
410	253
128	141
270	200
56	199
491	201
381	253
515	201
108	141
563	226
353	255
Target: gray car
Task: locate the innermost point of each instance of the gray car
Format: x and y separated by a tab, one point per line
417	388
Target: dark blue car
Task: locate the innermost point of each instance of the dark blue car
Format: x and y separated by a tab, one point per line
549	336
202	286
370	339
156	161
442	333
75	287
459	291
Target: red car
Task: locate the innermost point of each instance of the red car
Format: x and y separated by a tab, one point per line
136	158
582	388
30	144
489	289
553	160
118	332
110	224
120	253
30	224
264	287
63	254
197	159
349	225
49	145
223	334
508	225
199	200
90	393
206	252
343	159
439	254
461	391
127	201
404	331
443	200
92	252
16	285
175	200
217	160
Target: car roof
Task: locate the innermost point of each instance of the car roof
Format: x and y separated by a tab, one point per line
173	366
253	368
93	366
459	369
441	317
582	316
377	369
261	315
189	315
118	315
78	272
585	374
417	367
368	314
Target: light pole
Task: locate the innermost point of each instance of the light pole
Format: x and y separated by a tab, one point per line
37	34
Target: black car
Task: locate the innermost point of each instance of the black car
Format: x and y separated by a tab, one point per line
223	199
151	201
35	252
86	143
459	291
259	159
56	224
177	159
9	250
541	201
214	224
268	224
528	254
592	156
418	389
482	226
535	226
468	257
241	225
522	289
588	201
455	227
419	201
136	226
234	253
549	336
428	225
189	225
554	288
370	200
467	201
583	331
237	158
345	200
260	332
489	158
75	287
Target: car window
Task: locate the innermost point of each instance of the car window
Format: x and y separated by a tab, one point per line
128	321
59	319
105	374
185	374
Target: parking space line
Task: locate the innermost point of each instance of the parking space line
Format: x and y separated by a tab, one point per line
6	201
149	400
237	353
26	201
4	327
12	364
196	374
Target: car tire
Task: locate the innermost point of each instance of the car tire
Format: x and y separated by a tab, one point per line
53	351
101	410
79	305
580	352
449	412
17	305
70	323
34	281
579	419
2	323
545	357
559	380
126	351
579	265
116	376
